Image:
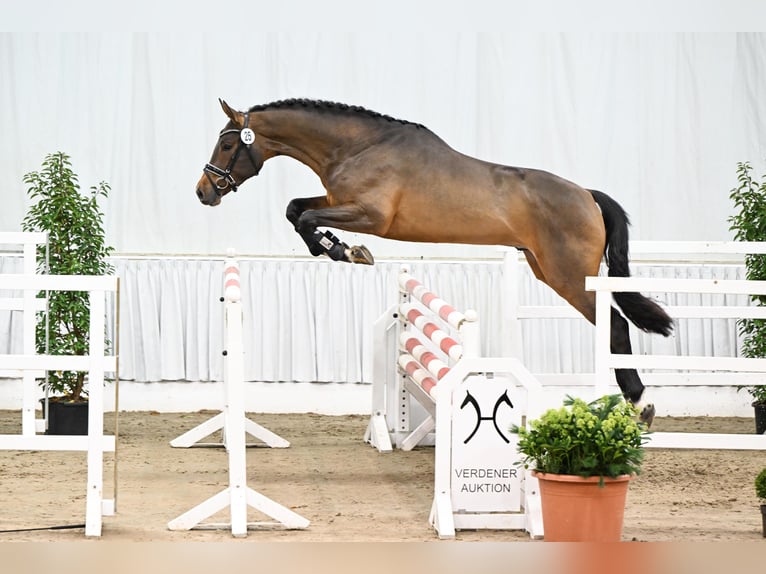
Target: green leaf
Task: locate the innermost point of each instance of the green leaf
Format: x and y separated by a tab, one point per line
749	224
601	438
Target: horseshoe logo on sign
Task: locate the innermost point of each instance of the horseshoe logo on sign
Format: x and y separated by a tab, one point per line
470	399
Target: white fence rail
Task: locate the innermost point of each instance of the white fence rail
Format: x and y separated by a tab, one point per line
689	370
29	364
26	245
97	363
606	360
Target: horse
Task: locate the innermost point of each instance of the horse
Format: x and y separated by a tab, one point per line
397	179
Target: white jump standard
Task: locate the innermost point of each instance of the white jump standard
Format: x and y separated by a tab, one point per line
237	496
194	436
476	484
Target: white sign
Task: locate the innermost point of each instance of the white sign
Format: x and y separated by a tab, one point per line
247	136
484	477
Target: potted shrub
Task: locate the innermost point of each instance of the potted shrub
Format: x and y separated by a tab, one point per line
76	246
749	224
584	455
760	492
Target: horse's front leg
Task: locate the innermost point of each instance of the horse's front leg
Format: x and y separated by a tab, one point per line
323	242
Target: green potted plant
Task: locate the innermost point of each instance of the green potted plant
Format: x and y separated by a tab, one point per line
76	246
584	455
760	492
749	224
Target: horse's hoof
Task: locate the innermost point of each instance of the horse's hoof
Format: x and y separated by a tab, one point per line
360	254
647	415
645	407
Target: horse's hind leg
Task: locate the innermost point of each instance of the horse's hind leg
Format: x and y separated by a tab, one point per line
627	379
323	243
585	301
630	383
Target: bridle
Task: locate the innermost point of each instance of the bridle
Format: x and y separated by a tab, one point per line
224	178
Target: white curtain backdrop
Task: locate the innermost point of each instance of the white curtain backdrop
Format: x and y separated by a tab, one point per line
312	321
657	120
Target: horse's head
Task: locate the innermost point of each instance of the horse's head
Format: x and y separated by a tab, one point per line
236	158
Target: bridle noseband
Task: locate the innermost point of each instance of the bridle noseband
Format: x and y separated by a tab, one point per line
225	179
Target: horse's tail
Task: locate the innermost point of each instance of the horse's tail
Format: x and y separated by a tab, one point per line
642	311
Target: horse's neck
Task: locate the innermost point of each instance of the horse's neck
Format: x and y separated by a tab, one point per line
316	161
313	140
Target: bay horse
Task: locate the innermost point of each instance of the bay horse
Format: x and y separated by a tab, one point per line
398	180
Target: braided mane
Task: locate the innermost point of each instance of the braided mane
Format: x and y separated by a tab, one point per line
325	106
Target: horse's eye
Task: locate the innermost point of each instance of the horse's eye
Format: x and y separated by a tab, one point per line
225	146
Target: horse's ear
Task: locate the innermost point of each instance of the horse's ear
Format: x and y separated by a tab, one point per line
234	115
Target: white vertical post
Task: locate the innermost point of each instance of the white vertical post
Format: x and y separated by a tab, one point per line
29	321
93	503
235	417
470	334
441	512
402	397
234	404
512	344
603	340
377	433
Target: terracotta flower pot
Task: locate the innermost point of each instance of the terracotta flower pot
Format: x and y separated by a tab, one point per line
577	509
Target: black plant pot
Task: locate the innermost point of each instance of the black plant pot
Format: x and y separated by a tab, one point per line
67	418
760	418
763	518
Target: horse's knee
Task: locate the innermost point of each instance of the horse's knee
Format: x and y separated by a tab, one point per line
305	223
293	212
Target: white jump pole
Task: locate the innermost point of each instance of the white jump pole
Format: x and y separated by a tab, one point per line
237	496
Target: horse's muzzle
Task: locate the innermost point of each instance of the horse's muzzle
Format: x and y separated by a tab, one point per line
210	199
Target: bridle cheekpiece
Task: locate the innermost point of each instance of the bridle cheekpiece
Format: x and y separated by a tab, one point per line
224	178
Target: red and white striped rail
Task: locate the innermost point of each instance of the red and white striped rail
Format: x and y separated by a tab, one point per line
231	287
431	330
421	376
416	359
439	306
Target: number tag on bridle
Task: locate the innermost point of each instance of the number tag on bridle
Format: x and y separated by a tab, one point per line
247	136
